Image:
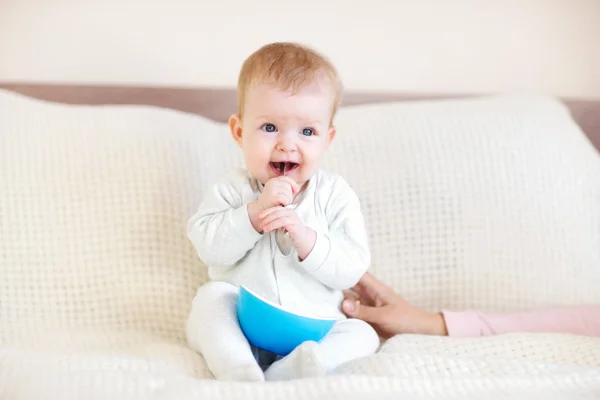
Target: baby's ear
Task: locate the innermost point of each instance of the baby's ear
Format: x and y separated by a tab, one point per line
235	126
331	135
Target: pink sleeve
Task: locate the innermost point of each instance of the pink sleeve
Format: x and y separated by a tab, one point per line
580	320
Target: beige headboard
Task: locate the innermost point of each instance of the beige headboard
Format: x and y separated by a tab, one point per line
218	104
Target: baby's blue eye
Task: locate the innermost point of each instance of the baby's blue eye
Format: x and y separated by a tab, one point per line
269	128
307	132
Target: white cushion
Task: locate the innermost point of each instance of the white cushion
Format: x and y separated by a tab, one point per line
94	206
491	202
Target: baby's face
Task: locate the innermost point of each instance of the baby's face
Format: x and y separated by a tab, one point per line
281	133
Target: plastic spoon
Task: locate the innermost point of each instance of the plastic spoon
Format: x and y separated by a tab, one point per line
282	237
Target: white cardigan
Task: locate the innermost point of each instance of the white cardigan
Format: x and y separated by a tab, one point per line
225	240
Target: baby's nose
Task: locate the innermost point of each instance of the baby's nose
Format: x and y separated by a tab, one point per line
286	142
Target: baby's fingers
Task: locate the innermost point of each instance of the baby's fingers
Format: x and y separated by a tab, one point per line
279	222
293	184
274	215
263	214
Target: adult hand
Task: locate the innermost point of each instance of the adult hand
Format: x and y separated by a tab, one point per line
378	304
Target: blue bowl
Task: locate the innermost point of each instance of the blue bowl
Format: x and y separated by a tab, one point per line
270	327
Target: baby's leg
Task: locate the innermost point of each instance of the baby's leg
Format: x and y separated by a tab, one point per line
348	340
213	330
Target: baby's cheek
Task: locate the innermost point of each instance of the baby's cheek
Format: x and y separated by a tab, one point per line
257	151
312	159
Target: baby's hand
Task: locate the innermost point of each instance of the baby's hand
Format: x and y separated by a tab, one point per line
278	191
303	237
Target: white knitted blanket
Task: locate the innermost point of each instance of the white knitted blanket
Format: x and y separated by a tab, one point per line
490	203
136	366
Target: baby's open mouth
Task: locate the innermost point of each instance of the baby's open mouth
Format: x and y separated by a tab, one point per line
284	167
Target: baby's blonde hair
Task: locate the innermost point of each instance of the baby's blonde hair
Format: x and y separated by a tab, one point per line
287	66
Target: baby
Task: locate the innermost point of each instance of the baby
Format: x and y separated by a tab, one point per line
287	98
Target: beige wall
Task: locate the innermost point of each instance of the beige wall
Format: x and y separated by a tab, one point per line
422	45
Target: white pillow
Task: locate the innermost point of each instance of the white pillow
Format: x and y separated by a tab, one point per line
491	202
93	207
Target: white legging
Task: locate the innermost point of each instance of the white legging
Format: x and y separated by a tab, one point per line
213	330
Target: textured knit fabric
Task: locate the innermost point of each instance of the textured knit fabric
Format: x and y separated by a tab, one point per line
236	253
578	320
490	204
